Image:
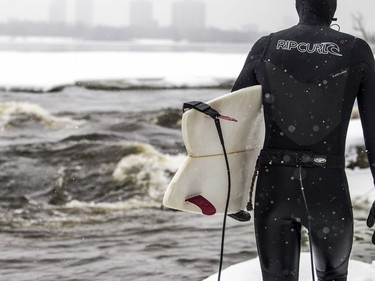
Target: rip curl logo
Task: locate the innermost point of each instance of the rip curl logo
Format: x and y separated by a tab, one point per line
324	48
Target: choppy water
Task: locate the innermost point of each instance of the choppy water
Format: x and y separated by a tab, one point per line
82	177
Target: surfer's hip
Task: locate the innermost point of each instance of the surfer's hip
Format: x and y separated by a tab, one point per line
294	158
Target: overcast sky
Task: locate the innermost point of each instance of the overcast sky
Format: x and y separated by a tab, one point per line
268	15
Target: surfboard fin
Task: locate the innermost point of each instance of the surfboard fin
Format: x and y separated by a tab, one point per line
205	205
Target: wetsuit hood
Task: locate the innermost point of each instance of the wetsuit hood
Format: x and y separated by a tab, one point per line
316	12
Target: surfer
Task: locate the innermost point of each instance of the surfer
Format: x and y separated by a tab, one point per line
310	75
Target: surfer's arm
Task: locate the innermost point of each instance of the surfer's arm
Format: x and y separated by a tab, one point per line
366	106
366	102
247	76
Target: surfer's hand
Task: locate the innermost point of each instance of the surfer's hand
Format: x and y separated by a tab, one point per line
371	220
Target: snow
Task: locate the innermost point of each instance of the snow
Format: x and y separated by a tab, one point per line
250	270
355	135
45	70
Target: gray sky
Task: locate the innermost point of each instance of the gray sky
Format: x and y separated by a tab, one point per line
268	15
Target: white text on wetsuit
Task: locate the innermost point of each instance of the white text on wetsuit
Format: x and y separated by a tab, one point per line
324	48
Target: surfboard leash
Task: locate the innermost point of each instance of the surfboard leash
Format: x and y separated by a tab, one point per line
216	116
208	110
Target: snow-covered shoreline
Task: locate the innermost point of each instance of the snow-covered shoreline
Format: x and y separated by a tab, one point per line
38	71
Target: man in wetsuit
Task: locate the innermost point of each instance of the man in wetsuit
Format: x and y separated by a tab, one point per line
310	75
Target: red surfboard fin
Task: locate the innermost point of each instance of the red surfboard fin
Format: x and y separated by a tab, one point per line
205	205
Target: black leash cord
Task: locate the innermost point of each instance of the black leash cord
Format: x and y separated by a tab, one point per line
206	109
220	133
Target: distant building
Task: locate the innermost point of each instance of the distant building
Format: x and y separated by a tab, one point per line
57	11
84	11
189	14
141	14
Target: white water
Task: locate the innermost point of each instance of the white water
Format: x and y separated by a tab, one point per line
11	111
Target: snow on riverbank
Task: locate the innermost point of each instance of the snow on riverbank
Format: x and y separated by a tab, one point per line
44	71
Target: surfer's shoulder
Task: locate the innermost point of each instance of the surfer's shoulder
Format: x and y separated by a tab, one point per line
363	46
362	53
259	48
261	43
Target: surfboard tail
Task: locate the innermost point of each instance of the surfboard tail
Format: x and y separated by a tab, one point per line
201	184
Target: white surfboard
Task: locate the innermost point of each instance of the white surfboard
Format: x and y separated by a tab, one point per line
201	183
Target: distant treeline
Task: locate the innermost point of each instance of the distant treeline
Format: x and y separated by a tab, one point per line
80	31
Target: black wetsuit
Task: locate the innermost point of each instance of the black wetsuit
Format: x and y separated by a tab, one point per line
310	76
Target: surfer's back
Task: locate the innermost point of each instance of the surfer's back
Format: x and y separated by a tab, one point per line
310	76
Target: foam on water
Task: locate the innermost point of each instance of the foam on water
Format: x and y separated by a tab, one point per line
13	114
148	170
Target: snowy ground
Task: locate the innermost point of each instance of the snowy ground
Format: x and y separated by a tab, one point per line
250	270
48	70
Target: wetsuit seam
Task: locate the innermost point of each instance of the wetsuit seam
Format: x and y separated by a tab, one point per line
269	40
366	66
359	63
348	255
271	273
318	78
315	25
351	63
335	268
262	59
